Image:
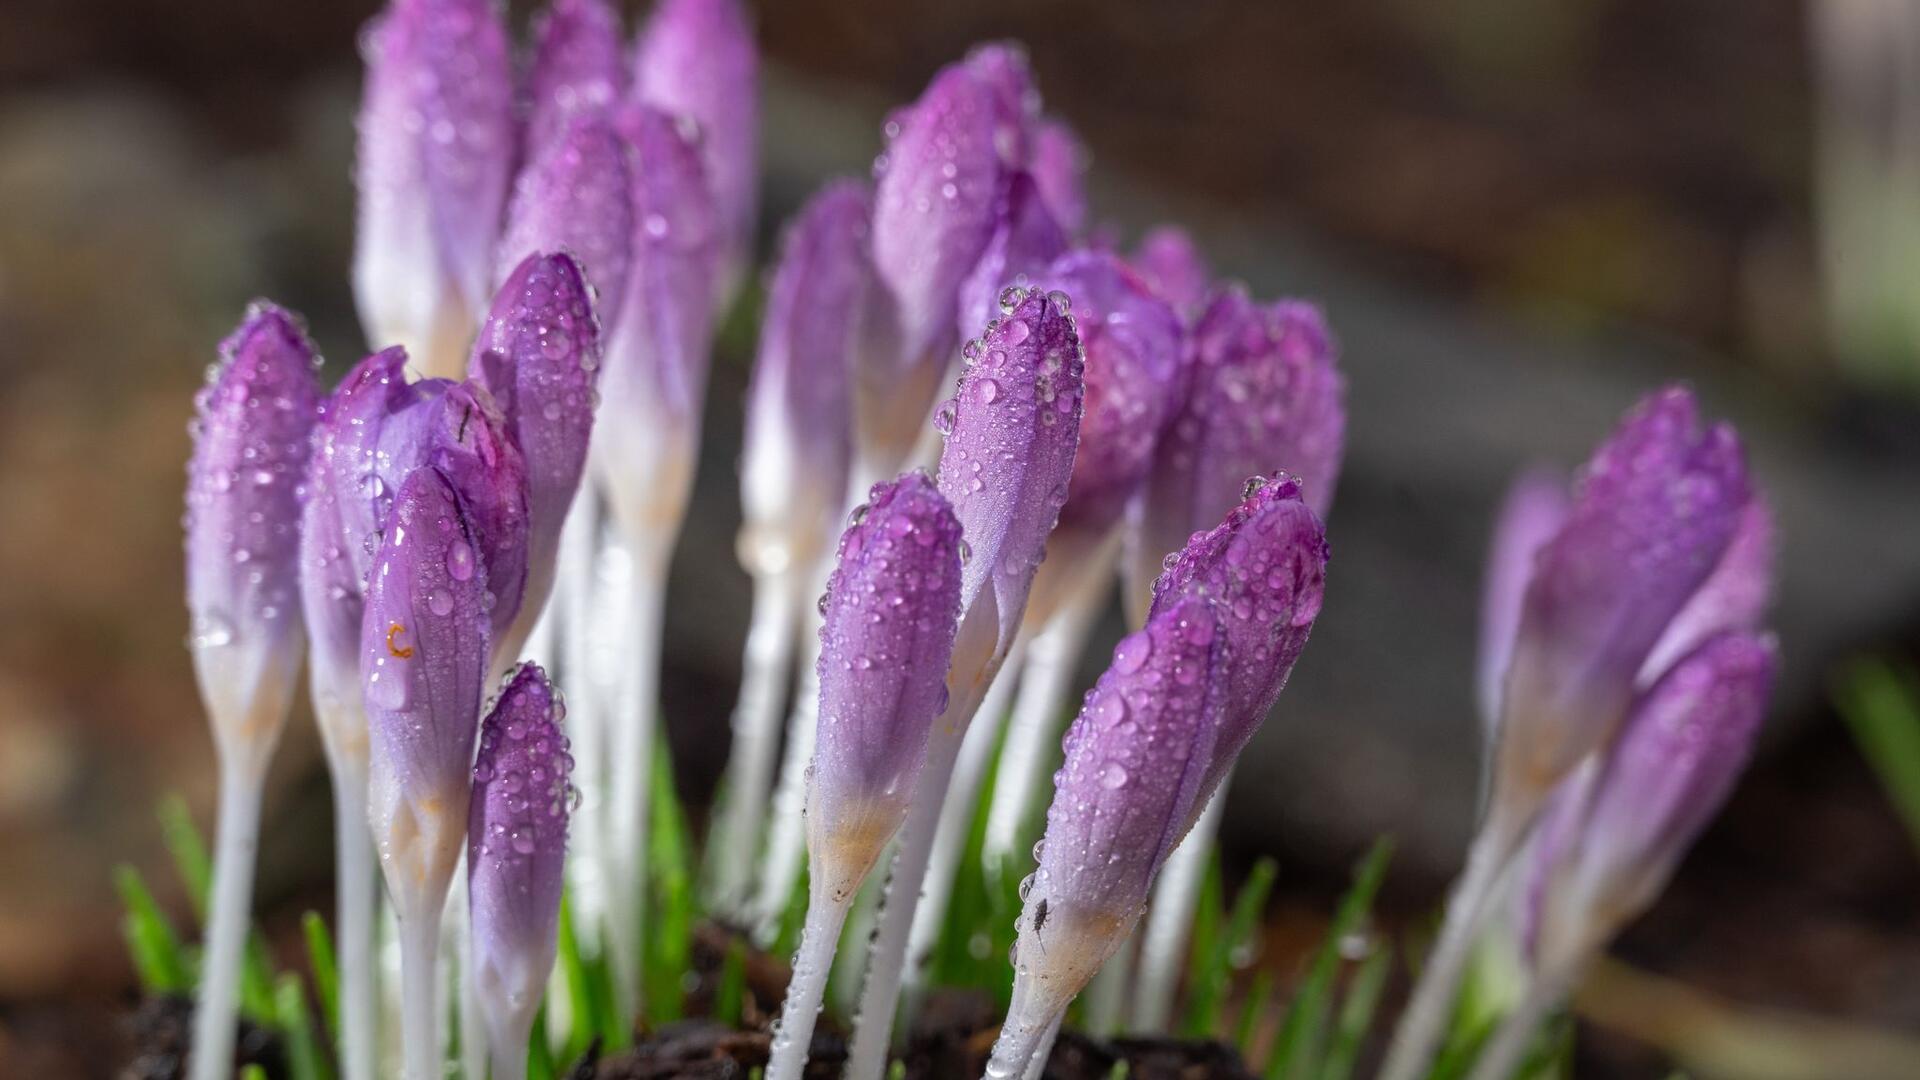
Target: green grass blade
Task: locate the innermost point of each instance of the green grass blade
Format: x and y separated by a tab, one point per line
191	861
1206	919
675	903
1356	1015
1882	706
730	994
253	1072
1296	1053
304	1059
326	972
786	935
1248	1029
540	1063
586	1012
157	954
1207	993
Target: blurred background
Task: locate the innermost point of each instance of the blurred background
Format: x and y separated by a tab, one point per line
1519	216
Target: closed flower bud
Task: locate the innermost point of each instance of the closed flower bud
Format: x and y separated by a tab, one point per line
516	848
1025	239
576	196
1003	68
424	642
437	143
1173	265
251	440
1059	167
890	611
576	67
1534	509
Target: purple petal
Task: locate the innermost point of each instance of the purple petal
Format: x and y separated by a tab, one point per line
538	355
938	186
1003	67
1265	569
697	58
1059	166
1024	242
576	67
423	657
435	156
1136	760
517	840
798	442
577	197
251	438
1734	597
890	612
1652	515
1011	430
1535	507
1682	748
1170	261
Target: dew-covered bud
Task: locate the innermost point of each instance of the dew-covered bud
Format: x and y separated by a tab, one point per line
798	445
424	643
1265	569
1011	431
697	59
1172	264
1682	747
253	428
1025	239
576	67
1059	166
436	150
1734	596
1653	513
1004	69
576	196
539	355
1533	511
516	848
890	611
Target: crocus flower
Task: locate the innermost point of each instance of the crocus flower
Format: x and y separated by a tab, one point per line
938	185
1134	777
249	455
250	449
576	196
1025	239
424	654
538	355
576	67
516	847
1170	261
1004	69
1654	511
1535	508
1265	396
696	58
1059	166
436	151
1734	596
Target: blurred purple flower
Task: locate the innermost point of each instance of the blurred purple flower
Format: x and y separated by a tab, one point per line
1535	507
1025	239
576	196
1170	261
1059	165
576	68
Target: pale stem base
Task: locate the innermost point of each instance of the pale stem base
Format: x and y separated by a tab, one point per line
634	728
1034	730
793	1034
420	993
1506	1050
1163	944
1043	1050
356	880
756	736
473	1043
1033	1021
236	846
1107	993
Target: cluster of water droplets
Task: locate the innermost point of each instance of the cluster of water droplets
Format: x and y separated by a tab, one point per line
523	771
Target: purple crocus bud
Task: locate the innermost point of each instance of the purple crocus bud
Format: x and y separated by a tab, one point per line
1024	242
1131	785
1535	508
423	654
576	67
1003	67
250	446
1734	596
1653	513
1265	570
938	187
436	152
516	846
1059	165
1011	430
697	59
576	196
538	355
798	446
1264	396
1680	751
352	480
890	610
1170	261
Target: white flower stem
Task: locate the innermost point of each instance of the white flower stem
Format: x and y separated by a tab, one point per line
793	1035
956	818
597	575
509	1050
786	848
235	847
1107	993
356	885
1037	1067
764	671
1163	944
1033	732
1033	1020
420	992
1507	1048
1420	1027
473	1043
633	737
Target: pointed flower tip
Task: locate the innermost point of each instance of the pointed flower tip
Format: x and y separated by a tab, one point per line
1535	507
1007	72
1264	569
1170	260
576	196
1059	165
889	617
1024	241
1012	429
577	66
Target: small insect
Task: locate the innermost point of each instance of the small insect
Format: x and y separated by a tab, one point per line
1039	921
